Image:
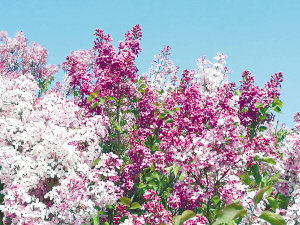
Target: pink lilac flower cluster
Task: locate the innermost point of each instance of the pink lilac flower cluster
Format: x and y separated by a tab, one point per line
139	149
16	55
112	73
252	95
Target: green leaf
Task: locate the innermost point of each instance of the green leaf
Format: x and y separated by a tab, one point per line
262	128
135	205
117	126
246	179
272	202
96	162
276	109
169	120
142	185
240	214
94	105
141	90
143	86
275	178
135	112
176	220
90	98
186	215
152	184
100	212
216	199
102	100
228	214
180	177
176	170
259	195
256	174
284	201
162	115
155	175
169	169
110	98
148	178
237	92
264	111
232	223
272	218
278	102
269	191
123	218
265	159
170	112
126	201
95	220
258	105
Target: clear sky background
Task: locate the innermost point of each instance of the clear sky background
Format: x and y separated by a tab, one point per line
261	36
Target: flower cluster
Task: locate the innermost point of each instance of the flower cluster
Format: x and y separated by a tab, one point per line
17	56
153	149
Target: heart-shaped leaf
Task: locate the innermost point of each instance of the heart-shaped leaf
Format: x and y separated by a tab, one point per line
259	195
240	214
102	100
256	174
135	205
169	120
94	105
95	220
229	213
272	202
126	201
186	215
176	220
272	218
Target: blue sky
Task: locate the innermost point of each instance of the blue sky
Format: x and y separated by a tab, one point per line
260	36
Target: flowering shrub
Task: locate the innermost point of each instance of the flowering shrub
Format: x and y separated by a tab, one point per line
152	149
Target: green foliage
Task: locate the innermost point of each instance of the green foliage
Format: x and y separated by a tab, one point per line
135	205
272	218
126	201
216	199
180	219
259	195
265	159
230	212
273	203
95	220
92	96
94	105
276	105
283	201
256	174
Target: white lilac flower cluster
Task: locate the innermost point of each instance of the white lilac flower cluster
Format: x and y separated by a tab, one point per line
46	154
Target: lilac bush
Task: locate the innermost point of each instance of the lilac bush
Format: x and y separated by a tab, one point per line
110	146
